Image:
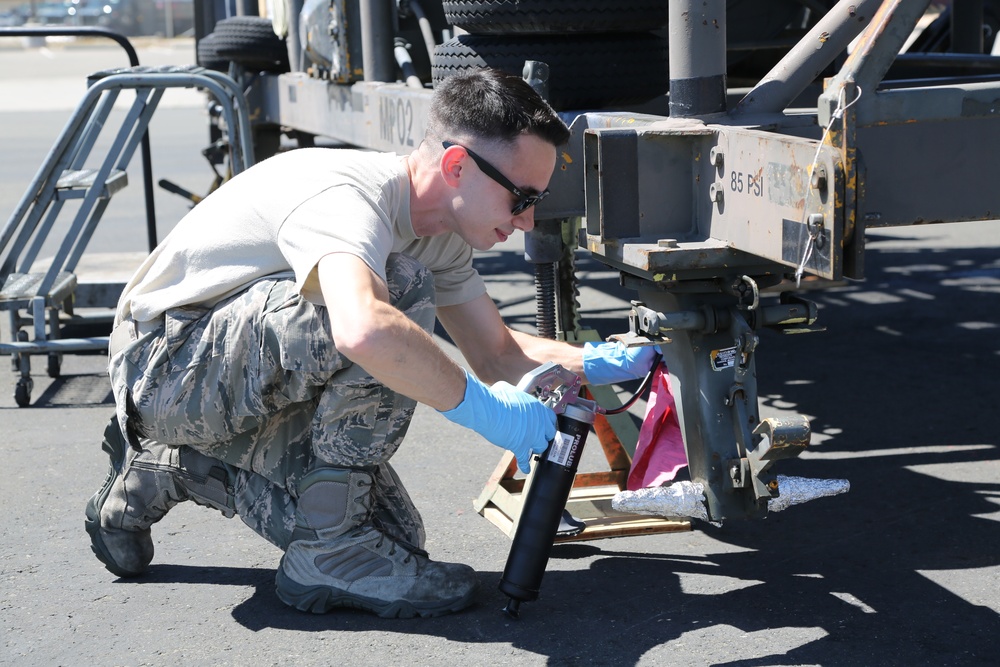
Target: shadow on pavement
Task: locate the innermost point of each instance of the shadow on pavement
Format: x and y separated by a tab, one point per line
901	392
85	390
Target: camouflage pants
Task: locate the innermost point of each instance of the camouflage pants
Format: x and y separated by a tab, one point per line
257	383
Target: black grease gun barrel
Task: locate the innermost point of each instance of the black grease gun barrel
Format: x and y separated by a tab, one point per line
543	506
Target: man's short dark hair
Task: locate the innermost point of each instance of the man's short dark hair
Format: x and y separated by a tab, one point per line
494	106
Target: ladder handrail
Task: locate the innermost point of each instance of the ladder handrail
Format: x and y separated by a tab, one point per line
133	59
235	111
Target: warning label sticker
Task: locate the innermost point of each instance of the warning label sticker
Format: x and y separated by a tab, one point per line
562	448
723	359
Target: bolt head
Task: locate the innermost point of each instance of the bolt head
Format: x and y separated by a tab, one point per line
715	192
818	178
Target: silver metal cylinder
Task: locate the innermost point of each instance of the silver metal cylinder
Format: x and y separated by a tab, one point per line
376	40
697	33
582	411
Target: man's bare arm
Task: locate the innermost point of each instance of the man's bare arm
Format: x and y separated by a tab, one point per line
496	352
369	331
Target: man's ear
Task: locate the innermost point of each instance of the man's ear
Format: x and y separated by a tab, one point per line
451	165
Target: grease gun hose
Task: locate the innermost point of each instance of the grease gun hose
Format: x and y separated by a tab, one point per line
647	381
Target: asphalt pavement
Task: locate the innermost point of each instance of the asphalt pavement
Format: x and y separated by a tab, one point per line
901	390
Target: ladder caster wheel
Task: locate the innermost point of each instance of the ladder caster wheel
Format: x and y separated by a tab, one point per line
22	392
54	366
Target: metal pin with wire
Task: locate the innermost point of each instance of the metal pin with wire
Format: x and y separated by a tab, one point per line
813	229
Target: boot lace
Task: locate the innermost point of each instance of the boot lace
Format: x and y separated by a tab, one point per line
369	520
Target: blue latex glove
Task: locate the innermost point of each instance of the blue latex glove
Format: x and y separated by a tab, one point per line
507	417
605	363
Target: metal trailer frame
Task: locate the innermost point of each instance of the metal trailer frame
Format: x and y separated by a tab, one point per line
704	208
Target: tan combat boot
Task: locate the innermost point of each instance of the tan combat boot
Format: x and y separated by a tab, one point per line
140	489
341	557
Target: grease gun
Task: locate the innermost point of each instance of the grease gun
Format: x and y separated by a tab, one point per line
550	483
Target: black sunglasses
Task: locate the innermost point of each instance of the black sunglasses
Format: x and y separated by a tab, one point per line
525	200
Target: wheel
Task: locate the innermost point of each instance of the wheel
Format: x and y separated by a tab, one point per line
22	392
487	17
251	42
752	22
208	54
585	70
54	366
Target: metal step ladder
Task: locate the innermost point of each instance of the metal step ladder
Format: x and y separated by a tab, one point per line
34	299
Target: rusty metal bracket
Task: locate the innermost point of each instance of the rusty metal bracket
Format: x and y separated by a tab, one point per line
778	438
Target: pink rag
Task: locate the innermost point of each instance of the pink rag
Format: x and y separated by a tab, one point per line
660	453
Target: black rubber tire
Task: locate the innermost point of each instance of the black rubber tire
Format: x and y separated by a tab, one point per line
53	365
22	392
250	41
208	54
753	20
489	17
585	71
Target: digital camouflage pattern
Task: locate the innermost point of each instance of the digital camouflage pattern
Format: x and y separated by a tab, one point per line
257	383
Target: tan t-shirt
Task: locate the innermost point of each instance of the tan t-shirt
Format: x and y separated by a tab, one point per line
284	214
